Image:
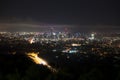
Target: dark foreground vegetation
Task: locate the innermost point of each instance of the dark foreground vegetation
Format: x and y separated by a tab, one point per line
20	67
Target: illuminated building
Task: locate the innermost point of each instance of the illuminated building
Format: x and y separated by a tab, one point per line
92	37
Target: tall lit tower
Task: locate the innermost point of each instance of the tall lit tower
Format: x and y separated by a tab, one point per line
92	36
51	30
66	32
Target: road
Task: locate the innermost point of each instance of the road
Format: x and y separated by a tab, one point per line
38	60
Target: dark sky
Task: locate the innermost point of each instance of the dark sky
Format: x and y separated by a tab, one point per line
80	14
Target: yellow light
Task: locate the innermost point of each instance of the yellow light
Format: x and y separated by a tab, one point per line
38	60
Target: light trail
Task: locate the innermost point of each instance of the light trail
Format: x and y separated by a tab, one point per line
38	60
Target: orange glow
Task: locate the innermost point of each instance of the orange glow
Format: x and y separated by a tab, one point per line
38	60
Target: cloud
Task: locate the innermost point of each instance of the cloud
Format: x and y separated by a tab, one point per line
29	27
32	26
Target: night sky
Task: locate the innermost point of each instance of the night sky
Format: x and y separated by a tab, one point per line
80	15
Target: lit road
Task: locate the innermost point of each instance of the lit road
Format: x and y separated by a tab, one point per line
38	60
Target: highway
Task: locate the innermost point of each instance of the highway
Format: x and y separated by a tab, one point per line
38	60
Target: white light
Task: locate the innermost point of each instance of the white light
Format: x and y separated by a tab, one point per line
54	33
76	44
92	35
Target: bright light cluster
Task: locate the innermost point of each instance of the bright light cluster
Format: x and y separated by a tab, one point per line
37	59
